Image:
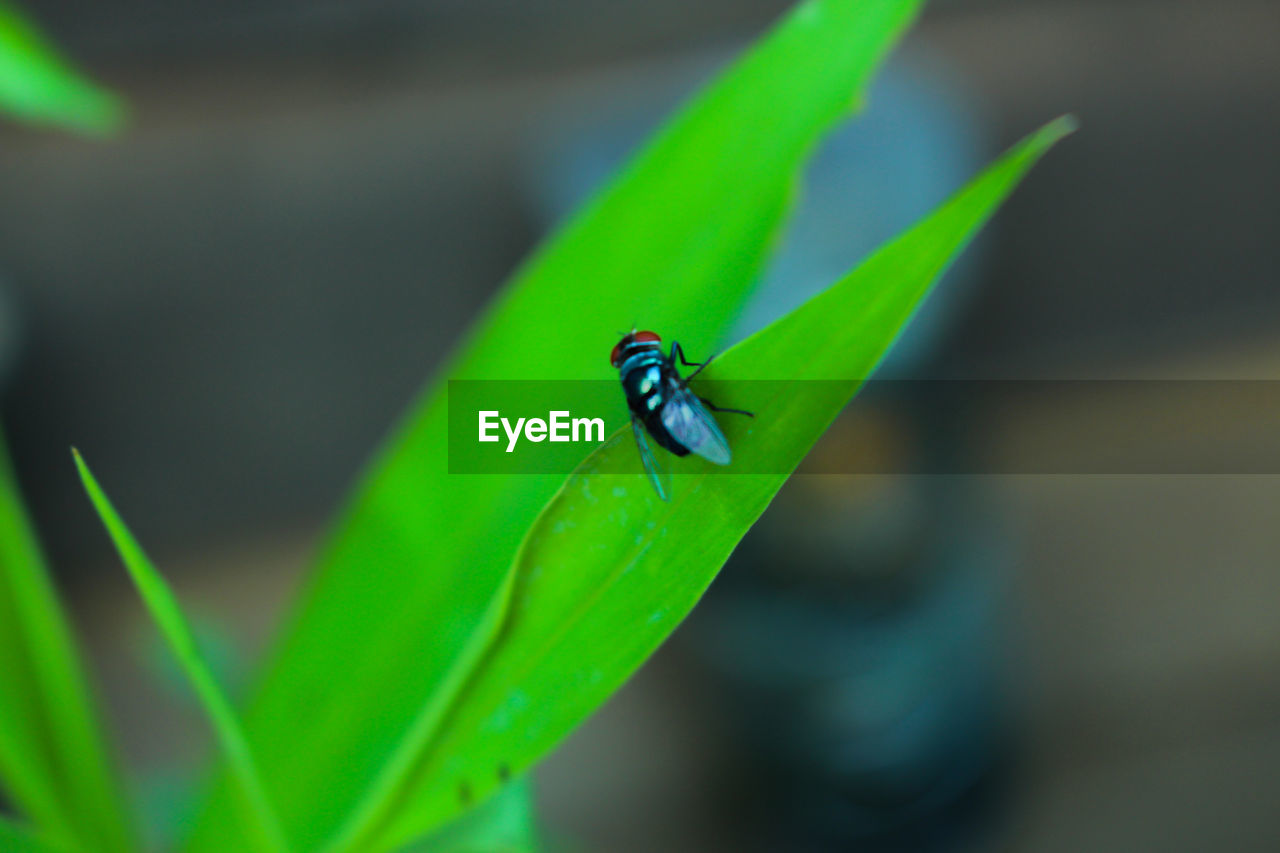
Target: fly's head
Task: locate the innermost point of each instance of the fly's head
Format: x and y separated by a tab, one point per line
630	342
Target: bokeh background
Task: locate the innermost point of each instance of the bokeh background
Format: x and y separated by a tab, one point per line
229	304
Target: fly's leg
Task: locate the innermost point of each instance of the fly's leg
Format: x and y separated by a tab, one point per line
678	352
713	407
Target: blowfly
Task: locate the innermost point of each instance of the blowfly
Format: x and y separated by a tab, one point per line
662	405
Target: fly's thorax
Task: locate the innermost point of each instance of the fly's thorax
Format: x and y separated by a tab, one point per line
639	354
642	369
644	375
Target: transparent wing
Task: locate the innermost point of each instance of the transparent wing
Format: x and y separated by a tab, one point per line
658	476
692	425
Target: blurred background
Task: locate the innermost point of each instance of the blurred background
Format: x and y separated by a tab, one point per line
227	306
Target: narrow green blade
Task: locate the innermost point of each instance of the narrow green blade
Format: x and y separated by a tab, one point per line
38	86
54	764
609	570
401	598
160	601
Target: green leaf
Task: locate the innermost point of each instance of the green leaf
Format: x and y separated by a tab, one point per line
40	87
54	764
399	603
164	608
609	570
18	839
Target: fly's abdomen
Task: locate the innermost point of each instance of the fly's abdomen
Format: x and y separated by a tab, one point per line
645	382
661	435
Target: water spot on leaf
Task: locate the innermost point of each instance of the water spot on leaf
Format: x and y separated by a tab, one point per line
504	716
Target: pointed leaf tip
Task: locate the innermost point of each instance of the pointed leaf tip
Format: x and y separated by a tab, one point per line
265	828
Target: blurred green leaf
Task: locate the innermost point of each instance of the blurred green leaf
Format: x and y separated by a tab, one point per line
53	762
396	613
18	839
40	87
164	609
609	570
218	649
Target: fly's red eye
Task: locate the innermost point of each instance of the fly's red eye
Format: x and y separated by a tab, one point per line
615	357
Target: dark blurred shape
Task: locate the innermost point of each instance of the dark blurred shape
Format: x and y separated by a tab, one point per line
856	630
859	630
9	335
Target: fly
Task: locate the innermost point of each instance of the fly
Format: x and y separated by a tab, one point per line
662	405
